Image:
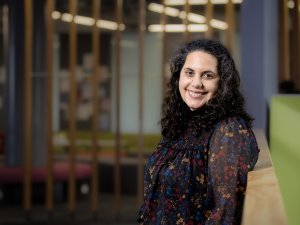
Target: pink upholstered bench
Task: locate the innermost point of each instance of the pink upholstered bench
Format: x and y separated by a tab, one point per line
14	175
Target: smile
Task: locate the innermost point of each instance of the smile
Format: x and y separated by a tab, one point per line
196	94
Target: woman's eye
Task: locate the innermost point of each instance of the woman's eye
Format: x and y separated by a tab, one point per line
189	73
208	76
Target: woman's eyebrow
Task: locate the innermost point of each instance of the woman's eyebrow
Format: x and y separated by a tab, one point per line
208	71
188	68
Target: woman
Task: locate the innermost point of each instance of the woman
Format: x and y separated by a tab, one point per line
198	173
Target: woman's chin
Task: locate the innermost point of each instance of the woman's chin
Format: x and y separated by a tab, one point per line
195	107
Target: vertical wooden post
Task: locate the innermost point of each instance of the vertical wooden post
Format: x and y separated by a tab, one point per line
95	120
164	50
72	109
49	64
117	180
284	42
5	32
296	44
187	9
209	11
28	106
141	101
230	18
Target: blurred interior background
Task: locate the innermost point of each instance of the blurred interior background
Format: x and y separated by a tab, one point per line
81	89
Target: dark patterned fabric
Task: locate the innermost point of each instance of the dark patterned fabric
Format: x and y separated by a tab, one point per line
200	178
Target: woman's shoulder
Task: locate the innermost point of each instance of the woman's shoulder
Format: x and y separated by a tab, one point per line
234	131
233	124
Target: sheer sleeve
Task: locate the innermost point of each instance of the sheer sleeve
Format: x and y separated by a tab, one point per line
232	153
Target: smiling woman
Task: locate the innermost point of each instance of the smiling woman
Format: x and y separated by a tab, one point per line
198	172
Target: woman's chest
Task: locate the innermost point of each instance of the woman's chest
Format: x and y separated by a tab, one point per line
181	164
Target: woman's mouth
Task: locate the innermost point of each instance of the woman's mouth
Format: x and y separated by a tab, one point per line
196	94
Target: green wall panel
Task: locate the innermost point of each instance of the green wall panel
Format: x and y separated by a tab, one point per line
285	150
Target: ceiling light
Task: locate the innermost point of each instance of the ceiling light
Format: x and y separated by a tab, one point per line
199	2
167	28
67	17
158	8
172	12
182	15
196	18
291	4
193	17
110	25
107	24
83	20
182	2
87	21
197	27
154	7
218	24
56	15
177	28
156	28
219	1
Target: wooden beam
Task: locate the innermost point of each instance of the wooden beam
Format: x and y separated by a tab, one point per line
142	25
187	9
117	176
284	42
263	200
296	44
209	11
230	18
163	21
72	108
49	64
27	106
96	111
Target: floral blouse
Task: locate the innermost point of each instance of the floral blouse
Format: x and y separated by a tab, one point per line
200	178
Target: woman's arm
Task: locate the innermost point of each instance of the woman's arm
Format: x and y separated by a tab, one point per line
232	153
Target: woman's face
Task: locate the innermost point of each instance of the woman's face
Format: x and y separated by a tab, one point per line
199	79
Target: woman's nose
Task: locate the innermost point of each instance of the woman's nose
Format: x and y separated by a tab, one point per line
197	82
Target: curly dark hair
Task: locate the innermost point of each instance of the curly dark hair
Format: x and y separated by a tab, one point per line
227	102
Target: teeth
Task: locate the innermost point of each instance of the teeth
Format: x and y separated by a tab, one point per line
194	94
